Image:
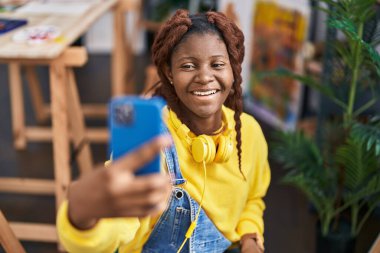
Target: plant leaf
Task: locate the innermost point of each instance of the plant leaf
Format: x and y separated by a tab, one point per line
357	162
294	150
369	134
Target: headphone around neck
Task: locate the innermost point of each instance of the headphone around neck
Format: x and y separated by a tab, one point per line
204	147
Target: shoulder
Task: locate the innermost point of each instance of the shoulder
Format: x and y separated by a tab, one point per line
252	135
248	122
251	130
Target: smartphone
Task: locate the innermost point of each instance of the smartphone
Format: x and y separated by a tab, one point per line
134	121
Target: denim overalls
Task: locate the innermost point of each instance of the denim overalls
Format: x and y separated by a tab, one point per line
169	231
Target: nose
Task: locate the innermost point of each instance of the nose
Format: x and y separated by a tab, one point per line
205	75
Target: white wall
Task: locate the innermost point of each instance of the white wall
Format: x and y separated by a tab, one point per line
99	39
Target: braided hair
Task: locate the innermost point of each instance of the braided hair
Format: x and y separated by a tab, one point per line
180	26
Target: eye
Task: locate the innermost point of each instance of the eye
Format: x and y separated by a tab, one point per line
218	65
187	66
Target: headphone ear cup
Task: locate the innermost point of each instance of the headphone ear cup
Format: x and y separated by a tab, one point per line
203	149
224	149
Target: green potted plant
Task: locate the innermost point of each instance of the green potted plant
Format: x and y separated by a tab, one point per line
339	171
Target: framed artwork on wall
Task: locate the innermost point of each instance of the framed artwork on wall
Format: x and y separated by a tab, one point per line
279	30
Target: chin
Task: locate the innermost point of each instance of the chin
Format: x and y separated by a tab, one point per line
206	111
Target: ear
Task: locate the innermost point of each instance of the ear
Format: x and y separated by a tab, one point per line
168	73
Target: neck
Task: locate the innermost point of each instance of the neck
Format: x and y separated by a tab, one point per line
205	126
199	125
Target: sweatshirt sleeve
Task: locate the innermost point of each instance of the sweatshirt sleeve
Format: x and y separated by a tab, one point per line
105	236
251	219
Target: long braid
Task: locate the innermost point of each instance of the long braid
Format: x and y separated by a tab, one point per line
234	40
167	38
174	31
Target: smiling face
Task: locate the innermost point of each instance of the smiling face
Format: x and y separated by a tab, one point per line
202	77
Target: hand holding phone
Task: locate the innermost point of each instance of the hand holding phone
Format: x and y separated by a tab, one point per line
133	121
116	192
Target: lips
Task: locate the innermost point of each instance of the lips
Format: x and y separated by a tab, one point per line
204	92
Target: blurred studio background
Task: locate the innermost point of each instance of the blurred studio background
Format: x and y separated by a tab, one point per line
311	77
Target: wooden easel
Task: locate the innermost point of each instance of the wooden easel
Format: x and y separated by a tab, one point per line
65	105
8	239
375	246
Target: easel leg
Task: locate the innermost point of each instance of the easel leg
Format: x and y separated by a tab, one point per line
17	106
36	94
77	124
58	89
8	239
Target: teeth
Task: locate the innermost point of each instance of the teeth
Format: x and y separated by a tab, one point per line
204	93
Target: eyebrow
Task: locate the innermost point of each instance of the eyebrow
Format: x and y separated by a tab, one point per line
194	58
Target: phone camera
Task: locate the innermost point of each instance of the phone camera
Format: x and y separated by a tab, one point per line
124	114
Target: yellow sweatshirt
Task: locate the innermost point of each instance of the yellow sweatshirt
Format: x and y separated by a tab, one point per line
235	206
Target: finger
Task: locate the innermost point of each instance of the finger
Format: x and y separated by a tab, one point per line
131	206
147	202
124	184
148	184
142	155
147	193
153	209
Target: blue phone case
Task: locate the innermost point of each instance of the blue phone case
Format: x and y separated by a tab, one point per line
134	121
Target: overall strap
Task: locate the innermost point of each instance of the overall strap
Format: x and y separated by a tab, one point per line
173	164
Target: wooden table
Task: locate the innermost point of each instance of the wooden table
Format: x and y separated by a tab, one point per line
60	59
